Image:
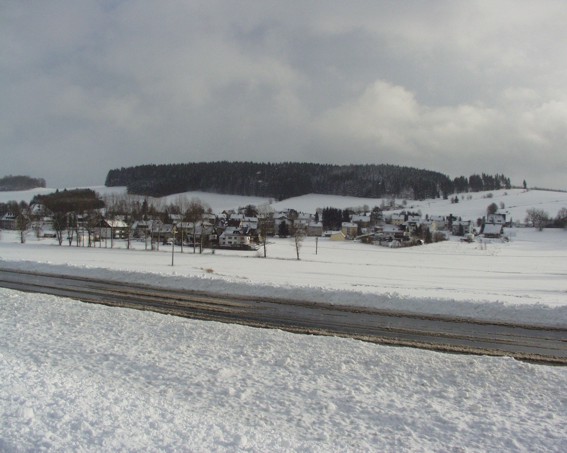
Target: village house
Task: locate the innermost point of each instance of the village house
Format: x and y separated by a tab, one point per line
315	229
494	225
162	232
359	219
305	218
43	227
390	232
234	238
141	228
492	230
349	229
235	219
462	227
156	230
397	218
8	221
300	224
438	222
111	229
210	218
496	219
362	221
39	210
411	226
175	218
249	223
189	231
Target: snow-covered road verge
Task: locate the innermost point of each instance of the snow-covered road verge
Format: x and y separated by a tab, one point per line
528	313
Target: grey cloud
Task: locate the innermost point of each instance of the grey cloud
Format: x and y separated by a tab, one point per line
456	86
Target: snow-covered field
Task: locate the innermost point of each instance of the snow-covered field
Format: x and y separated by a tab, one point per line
78	377
75	377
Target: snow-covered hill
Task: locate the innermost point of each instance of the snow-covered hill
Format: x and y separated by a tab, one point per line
512	202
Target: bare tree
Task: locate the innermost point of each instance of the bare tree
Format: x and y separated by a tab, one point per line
131	211
182	205
537	217
59	225
22	225
298	237
194	214
561	219
265	224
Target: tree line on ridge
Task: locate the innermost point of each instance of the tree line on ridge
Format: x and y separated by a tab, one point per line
290	179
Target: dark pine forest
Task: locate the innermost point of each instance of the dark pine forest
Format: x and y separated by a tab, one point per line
291	179
9	183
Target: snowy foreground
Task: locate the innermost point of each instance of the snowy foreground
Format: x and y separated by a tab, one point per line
79	377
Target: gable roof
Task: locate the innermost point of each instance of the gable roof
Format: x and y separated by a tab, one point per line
492	229
360	218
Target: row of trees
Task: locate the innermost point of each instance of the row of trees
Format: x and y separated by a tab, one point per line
290	179
66	207
541	219
9	183
21	213
478	183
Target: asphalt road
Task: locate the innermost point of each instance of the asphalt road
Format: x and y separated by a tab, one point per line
525	342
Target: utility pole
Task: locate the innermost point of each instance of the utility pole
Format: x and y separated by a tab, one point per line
173	245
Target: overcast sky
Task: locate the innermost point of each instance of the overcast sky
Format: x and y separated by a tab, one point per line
460	87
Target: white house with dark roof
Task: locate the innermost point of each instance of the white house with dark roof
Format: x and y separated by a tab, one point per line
234	238
8	221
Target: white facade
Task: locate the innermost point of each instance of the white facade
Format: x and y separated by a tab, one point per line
234	238
497	219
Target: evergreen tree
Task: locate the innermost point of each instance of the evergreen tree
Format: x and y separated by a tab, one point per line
428	236
283	229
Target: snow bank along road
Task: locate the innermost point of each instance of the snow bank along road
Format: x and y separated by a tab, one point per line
528	342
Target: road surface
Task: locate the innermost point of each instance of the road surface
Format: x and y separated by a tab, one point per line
534	343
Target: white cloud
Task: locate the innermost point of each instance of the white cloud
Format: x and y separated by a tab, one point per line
387	121
380	117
